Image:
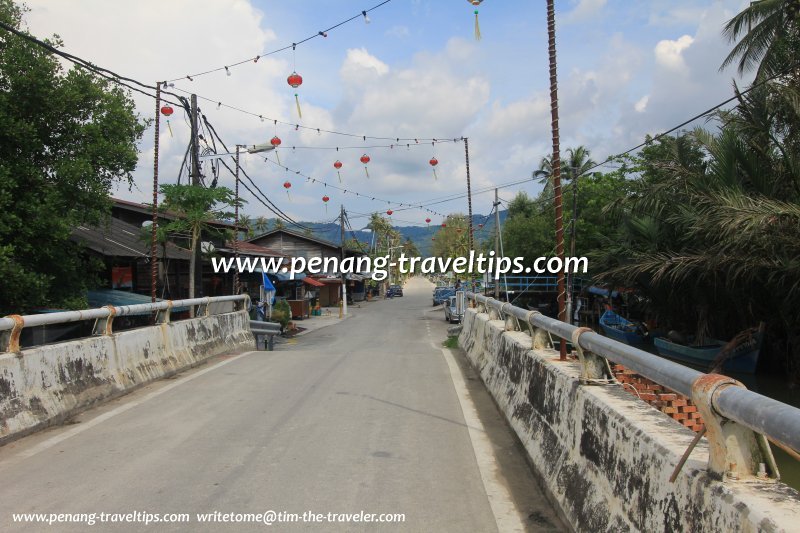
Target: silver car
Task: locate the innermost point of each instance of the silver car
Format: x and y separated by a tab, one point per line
450	313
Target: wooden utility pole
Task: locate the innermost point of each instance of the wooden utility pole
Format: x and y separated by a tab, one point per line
154	229
496	242
469	194
344	276
556	164
236	227
196	283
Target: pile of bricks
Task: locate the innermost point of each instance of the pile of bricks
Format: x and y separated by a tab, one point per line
677	406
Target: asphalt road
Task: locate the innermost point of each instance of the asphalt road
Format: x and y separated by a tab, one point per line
370	415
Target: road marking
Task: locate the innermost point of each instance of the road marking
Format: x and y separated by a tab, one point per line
49	443
506	515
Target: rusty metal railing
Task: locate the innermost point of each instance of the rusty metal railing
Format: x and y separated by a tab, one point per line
737	420
11	326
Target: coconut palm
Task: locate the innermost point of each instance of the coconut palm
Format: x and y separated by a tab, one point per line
768	34
261	224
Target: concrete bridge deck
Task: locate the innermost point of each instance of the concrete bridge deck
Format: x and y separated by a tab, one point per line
369	414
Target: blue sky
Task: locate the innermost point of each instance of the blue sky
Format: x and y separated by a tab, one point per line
626	68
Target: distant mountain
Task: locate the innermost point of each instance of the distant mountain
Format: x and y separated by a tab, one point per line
419	235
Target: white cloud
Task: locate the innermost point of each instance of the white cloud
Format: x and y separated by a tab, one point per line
641	104
669	53
584	10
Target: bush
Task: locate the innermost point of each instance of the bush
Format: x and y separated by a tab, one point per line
282	313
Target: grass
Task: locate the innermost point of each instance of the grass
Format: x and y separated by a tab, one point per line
451	342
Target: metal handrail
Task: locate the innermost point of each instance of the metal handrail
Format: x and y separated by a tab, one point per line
776	420
64	317
104	316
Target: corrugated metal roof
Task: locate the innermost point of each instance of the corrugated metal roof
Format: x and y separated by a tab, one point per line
120	239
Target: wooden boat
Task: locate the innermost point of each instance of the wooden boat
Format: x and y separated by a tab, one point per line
743	358
621	329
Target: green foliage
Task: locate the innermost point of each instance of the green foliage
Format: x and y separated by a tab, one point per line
452	240
66	137
282	313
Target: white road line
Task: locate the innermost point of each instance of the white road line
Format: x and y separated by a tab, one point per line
506	515
49	443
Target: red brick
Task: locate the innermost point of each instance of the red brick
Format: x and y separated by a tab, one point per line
679	403
669	410
695	415
668	396
680	416
689	409
647	396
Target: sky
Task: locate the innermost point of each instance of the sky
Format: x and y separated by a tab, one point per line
627	68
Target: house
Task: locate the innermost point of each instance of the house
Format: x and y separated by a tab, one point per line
298	244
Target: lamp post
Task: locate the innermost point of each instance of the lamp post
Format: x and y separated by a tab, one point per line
253	149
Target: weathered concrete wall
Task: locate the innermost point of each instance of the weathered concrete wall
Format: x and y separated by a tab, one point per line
47	384
605	457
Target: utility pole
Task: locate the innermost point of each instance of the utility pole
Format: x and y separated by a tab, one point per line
469	194
556	164
154	229
496	241
196	287
344	276
236	227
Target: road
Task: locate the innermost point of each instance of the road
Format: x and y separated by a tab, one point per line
370	414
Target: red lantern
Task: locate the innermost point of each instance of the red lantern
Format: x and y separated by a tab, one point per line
365	160
296	80
427	221
287	186
337	165
480	226
433	162
275	141
389	212
444	225
325	199
167	110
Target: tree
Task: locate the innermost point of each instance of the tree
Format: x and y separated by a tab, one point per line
247	223
66	138
278	224
769	38
196	208
261	224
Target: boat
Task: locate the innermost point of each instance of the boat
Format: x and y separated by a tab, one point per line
743	358
621	329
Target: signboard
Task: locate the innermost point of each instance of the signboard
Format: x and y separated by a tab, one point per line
121	277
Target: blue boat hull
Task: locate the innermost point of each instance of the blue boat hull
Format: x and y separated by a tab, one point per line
743	361
621	329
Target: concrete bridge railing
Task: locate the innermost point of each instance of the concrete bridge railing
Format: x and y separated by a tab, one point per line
47	384
612	462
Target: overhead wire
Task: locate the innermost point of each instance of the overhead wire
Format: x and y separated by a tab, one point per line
320	33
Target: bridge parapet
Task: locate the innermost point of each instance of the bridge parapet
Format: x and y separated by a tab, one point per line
611	461
47	384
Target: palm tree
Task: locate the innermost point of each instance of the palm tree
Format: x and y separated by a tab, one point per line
246	222
278	224
768	36
261	224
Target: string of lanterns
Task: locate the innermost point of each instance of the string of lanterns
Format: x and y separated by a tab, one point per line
287	185
322	33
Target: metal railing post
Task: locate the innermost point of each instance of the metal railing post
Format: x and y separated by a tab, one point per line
734	451
103	326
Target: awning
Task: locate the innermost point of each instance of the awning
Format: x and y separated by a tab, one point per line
284	276
313	282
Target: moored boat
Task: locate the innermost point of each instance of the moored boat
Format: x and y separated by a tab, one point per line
621	329
743	358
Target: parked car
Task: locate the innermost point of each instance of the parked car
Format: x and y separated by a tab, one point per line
397	290
450	313
441	294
